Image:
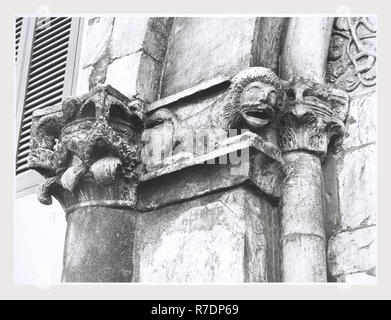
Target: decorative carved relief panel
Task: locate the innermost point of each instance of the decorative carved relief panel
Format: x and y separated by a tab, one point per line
352	53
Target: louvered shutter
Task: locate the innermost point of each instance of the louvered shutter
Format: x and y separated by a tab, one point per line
47	73
18	31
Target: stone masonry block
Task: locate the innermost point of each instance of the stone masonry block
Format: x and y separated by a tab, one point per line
219	237
361	121
128	35
357	187
135	73
352	252
97	39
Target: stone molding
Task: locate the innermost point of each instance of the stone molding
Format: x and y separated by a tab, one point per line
88	148
261	169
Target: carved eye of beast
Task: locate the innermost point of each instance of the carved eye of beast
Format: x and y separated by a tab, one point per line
257	102
253	99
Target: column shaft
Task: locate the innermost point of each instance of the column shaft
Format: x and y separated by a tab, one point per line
99	245
303	240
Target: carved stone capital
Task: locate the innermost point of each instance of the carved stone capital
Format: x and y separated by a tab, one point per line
88	148
314	116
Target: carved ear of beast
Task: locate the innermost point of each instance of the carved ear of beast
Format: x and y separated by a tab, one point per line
252	110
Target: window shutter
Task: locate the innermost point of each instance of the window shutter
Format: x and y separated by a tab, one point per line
47	73
18	31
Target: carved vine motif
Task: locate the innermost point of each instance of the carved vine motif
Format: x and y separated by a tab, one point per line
352	53
314	115
94	136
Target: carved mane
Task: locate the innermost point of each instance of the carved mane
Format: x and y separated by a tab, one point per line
232	115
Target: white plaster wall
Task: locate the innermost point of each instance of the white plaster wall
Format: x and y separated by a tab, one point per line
39	233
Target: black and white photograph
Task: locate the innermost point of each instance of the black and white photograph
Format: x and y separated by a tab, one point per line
195	149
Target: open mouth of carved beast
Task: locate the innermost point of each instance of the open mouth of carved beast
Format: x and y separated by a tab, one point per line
257	116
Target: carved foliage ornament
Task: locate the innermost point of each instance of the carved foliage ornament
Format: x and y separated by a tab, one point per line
352	53
314	115
95	136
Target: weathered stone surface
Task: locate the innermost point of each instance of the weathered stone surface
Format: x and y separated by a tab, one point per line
122	73
193	181
88	150
305	48
135	74
197	106
252	102
303	259
100	125
267	43
313	117
224	237
127	36
302	196
353	251
203	48
357	187
361	121
99	245
97	39
186	184
331	194
302	227
149	78
259	164
83	80
147	34
156	37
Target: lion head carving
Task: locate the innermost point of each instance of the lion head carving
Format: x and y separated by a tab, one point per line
254	96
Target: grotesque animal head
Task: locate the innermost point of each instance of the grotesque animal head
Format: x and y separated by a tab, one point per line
254	96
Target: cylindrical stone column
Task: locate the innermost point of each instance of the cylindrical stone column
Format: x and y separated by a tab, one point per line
89	150
314	114
303	238
305	49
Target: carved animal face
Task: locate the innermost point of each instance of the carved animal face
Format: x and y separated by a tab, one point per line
253	98
257	103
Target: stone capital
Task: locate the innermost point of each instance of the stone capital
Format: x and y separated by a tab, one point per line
88	148
314	116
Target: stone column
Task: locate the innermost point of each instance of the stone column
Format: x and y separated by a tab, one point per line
313	117
88	149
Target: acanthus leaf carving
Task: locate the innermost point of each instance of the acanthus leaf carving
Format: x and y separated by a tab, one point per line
314	115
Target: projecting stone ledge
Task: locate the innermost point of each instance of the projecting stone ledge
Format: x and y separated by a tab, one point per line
259	165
